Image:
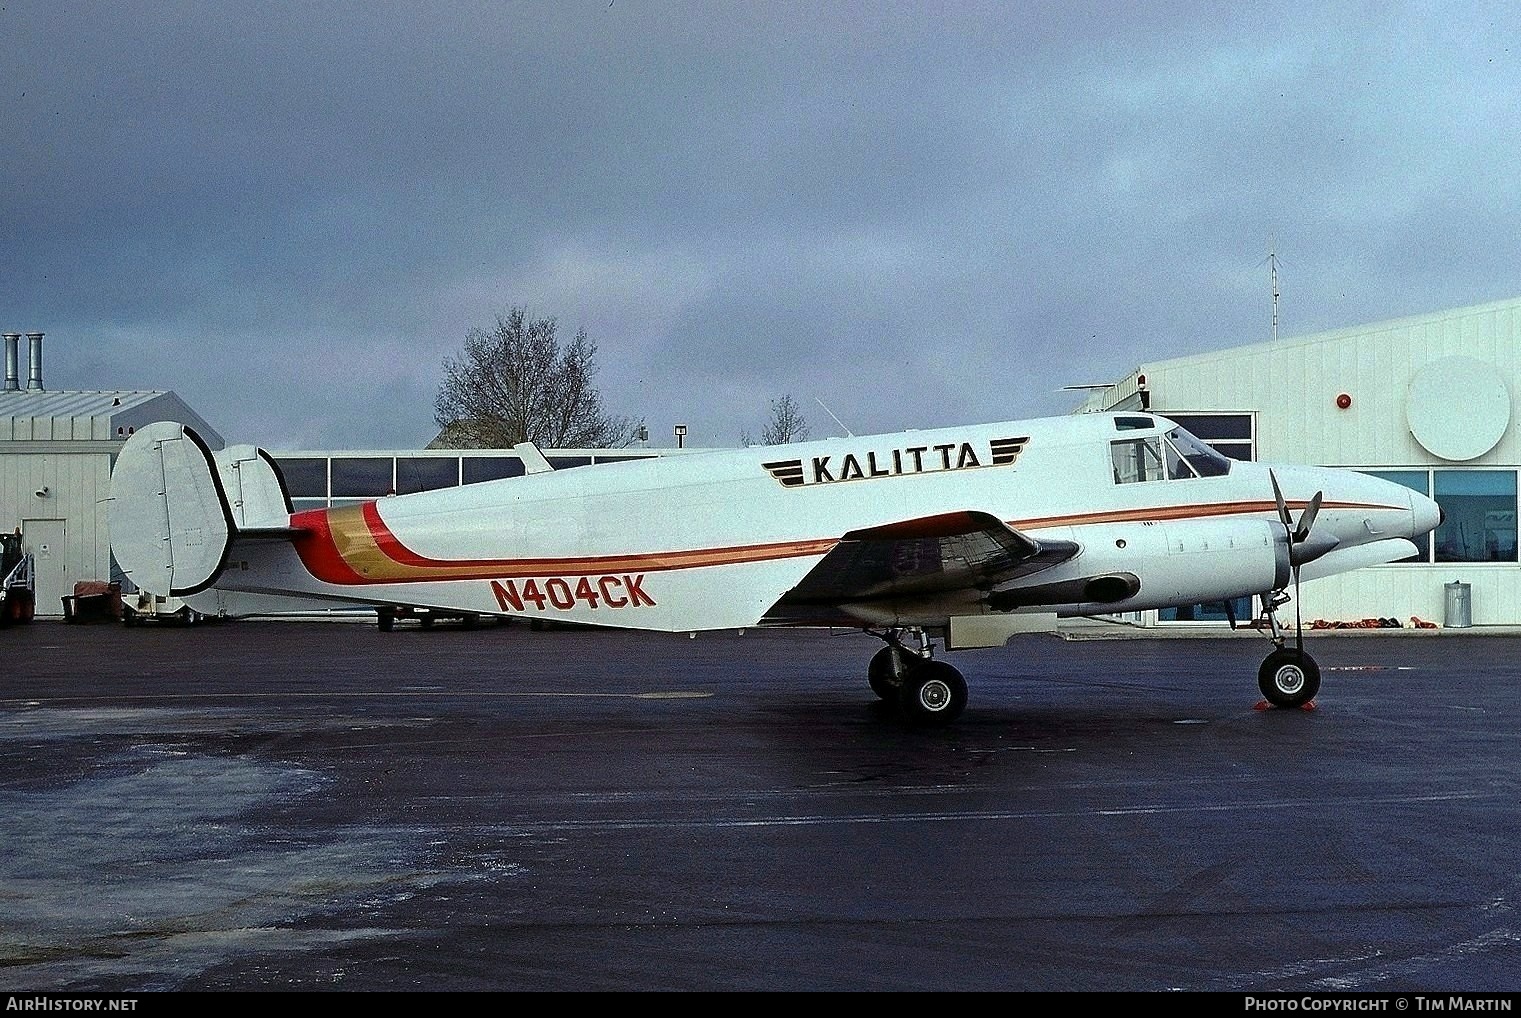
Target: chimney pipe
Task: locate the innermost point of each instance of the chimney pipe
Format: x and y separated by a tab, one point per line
12	361
34	350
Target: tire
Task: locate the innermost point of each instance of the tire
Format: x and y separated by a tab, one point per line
933	694
426	621
386	619
886	670
1288	678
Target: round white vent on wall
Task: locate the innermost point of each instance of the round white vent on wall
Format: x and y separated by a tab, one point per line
1458	407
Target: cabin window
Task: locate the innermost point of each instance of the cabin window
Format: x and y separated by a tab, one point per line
1137	459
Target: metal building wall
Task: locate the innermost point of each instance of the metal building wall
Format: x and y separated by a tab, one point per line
1293	385
77	484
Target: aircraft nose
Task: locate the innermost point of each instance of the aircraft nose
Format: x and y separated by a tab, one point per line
1428	515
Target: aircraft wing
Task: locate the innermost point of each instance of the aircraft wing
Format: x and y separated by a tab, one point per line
928	555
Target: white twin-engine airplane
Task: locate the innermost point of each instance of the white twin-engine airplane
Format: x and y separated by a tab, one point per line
964	534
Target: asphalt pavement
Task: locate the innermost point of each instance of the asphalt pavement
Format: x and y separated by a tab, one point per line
324	806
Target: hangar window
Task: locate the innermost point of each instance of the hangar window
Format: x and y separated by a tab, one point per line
362	477
566	462
1479	508
1231	434
305	477
425	473
489	468
621	457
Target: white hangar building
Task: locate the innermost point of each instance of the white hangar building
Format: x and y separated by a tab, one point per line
56	453
1427	401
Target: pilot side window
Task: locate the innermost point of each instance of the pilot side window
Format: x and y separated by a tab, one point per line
1137	459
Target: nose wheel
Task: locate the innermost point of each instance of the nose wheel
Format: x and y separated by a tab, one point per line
1289	677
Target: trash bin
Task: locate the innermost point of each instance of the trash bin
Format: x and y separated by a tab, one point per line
1458	613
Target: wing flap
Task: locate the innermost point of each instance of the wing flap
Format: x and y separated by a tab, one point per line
925	555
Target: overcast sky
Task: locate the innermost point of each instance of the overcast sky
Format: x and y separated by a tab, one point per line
919	214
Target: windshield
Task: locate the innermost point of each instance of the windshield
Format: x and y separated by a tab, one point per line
1205	461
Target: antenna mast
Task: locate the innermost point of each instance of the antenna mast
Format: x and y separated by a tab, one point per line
1273	274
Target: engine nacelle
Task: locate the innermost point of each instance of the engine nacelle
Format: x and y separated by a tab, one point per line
1135	566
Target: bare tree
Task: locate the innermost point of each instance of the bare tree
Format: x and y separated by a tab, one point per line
786	424
517	383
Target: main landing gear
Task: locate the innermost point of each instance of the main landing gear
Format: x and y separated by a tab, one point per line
928	692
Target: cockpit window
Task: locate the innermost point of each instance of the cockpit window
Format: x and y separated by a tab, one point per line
1137	459
1134	424
1205	461
1177	457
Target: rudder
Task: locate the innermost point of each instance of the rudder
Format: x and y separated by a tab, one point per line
171	523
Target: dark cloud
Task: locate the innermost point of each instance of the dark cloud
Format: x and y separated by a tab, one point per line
918	214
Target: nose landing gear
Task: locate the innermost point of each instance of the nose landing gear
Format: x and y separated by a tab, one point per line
1289	677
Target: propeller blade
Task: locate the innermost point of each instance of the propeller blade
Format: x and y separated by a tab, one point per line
1283	509
1307	518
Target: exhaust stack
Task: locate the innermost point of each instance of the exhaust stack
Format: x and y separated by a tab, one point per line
34	363
12	361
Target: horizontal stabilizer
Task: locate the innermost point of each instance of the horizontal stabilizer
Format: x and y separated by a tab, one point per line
171	524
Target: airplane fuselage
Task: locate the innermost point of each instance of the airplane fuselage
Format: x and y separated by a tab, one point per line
718	539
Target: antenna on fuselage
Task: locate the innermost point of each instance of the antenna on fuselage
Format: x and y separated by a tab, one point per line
848	432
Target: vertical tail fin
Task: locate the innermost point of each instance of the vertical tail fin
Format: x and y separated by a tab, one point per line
254	487
171	521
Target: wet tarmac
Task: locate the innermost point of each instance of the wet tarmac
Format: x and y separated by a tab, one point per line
323	806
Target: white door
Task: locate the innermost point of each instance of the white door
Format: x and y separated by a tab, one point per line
44	539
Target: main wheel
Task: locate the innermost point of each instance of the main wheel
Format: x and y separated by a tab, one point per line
886	671
385	618
1289	678
933	693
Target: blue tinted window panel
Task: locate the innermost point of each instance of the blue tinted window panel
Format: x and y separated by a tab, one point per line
305	477
1479	509
490	468
367	477
426	473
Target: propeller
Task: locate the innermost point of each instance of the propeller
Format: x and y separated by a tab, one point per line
1301	548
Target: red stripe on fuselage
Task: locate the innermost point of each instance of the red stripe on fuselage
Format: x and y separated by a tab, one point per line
319	551
322	550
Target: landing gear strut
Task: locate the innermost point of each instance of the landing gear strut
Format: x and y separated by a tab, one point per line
928	692
1289	677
